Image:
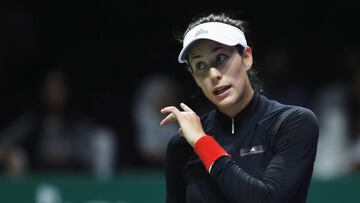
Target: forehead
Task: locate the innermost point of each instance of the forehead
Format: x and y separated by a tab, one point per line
204	47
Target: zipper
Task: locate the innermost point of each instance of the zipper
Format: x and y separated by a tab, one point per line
232	126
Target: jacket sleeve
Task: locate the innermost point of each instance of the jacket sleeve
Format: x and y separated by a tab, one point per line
293	158
175	160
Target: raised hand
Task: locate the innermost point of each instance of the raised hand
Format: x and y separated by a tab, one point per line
190	124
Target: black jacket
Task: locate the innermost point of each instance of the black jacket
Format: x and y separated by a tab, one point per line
272	148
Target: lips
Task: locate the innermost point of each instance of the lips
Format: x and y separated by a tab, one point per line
221	89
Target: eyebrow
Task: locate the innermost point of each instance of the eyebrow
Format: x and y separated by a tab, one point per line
212	51
216	48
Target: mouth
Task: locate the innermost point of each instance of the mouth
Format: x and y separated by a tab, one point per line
221	89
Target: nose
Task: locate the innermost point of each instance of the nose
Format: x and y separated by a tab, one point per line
214	74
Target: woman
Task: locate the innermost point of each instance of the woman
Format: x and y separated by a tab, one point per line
250	148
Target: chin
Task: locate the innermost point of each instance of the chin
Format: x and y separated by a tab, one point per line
226	103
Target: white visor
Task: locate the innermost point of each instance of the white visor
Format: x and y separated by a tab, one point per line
216	31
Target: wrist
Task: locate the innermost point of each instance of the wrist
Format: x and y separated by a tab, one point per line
208	150
197	138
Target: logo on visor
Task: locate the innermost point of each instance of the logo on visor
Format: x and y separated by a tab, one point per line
200	32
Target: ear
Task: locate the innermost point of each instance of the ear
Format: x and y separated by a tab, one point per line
248	58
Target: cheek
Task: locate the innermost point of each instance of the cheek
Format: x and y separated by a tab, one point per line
205	86
239	78
238	73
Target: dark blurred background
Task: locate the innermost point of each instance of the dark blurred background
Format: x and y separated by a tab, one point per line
307	53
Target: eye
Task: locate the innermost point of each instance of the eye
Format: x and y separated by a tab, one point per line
220	58
201	66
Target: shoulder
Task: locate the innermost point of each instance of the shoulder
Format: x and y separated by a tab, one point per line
298	124
288	118
208	119
176	140
289	123
277	111
301	115
178	146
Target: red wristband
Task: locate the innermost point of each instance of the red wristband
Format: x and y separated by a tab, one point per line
208	150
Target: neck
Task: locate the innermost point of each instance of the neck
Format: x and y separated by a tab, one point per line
233	110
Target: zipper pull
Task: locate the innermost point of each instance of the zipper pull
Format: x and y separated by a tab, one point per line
232	126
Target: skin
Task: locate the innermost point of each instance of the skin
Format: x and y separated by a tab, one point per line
220	72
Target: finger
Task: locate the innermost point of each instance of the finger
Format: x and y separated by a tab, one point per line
186	108
168	119
171	109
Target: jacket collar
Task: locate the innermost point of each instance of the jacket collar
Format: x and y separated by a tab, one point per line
231	125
